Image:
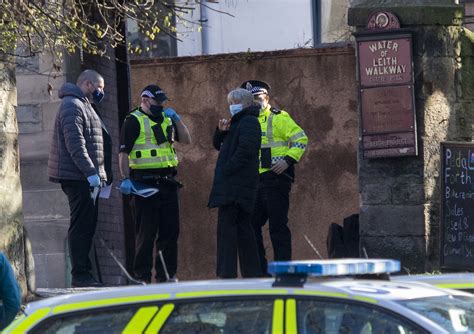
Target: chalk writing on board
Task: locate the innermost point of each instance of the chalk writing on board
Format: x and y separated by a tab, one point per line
457	244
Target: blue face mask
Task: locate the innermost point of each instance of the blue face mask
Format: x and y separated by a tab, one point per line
235	108
97	96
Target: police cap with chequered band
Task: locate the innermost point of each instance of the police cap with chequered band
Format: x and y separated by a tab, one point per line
154	92
256	87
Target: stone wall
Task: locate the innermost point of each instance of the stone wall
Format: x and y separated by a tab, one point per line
316	86
45	208
12	241
469	15
400	197
110	226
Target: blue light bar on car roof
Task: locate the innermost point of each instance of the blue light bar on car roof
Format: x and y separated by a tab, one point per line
340	267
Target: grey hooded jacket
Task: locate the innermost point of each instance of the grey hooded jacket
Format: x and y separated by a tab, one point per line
77	148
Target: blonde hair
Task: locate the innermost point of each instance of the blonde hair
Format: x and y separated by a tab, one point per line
241	96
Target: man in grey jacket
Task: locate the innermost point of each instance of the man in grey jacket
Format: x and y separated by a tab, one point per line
76	161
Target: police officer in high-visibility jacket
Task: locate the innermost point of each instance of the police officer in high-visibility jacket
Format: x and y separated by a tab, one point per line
283	145
147	156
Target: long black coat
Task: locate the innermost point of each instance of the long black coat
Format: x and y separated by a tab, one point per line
236	173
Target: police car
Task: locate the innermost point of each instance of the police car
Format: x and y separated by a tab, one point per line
457	281
327	296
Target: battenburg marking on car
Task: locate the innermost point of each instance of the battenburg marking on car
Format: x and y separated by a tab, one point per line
346	294
334	267
459	286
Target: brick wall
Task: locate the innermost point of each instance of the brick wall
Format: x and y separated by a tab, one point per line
45	207
111	224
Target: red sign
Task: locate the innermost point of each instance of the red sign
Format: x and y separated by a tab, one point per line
386	92
389	140
390	152
385	62
387	110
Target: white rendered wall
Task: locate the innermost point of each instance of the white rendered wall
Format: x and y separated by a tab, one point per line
258	25
333	23
190	39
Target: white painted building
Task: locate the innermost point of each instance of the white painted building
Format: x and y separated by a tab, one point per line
263	25
256	25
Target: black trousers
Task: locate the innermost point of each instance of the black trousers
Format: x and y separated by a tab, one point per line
156	227
273	202
235	236
83	210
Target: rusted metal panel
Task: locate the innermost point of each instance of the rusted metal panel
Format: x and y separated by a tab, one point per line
389	140
387	109
390	152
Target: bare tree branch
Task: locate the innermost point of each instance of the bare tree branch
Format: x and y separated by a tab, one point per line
213	9
59	26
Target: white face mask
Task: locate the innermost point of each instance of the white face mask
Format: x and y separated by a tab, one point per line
235	108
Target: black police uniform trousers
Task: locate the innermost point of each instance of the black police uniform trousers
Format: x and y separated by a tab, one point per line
236	236
156	227
272	205
83	211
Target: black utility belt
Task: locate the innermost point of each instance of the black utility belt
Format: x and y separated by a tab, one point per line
159	179
139	173
271	176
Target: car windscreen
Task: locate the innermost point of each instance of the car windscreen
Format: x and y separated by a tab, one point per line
455	313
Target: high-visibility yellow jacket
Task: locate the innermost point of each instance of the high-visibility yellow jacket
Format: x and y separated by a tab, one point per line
146	152
282	135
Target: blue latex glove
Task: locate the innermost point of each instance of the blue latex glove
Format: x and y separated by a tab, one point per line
171	113
94	180
126	187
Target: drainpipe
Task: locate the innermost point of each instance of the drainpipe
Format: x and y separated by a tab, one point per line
204	21
316	18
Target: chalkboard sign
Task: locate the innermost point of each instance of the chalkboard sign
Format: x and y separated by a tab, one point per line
457	205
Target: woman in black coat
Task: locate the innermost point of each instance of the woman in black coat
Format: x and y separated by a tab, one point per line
234	189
